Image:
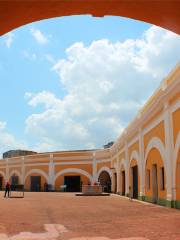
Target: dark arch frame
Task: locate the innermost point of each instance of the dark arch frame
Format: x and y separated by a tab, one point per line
16	13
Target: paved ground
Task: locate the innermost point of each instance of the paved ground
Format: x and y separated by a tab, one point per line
55	216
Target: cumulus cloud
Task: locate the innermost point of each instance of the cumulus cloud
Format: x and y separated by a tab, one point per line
8	141
106	84
39	36
9	37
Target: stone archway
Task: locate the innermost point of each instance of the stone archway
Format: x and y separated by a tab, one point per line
14	14
73	178
35	180
155	182
105	180
15	177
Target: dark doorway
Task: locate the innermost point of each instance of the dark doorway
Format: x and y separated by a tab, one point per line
123	183
1	182
14	180
73	183
115	182
35	184
154	183
135	181
105	181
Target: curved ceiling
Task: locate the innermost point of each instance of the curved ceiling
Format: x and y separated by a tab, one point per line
16	13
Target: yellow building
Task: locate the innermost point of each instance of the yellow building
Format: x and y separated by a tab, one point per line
143	162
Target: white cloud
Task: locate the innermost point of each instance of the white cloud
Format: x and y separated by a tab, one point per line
28	55
106	84
8	141
39	36
9	37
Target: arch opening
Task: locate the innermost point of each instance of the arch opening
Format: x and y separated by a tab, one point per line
71	182
134	179
123	181
105	181
155	182
35	180
2	182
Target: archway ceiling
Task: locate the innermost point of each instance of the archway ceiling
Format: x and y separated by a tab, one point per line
15	13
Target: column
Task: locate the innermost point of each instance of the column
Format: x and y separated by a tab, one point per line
22	171
113	181
170	184
7	170
127	169
94	166
118	177
142	170
51	171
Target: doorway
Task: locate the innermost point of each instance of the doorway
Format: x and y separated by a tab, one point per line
35	183
115	182
123	189
154	183
73	183
14	180
1	183
135	181
105	181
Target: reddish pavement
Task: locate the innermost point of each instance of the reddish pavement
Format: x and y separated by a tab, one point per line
85	218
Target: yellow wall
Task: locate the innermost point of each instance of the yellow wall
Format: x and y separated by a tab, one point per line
157	131
176	123
85	167
178	177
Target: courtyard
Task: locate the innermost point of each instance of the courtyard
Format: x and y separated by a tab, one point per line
55	216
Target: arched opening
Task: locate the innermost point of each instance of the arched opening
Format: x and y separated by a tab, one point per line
123	181
35	180
2	182
72	181
155	181
105	181
134	179
14	179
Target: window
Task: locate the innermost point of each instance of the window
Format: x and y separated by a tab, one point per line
162	178
148	179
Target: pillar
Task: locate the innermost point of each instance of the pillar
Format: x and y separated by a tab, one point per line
94	167
142	165
22	171
127	169
170	184
7	170
118	177
51	171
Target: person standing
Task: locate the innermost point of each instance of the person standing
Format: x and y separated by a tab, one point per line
7	189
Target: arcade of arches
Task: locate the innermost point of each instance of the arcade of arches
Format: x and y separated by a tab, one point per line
144	161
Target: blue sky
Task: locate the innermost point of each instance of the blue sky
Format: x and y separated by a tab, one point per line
66	83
